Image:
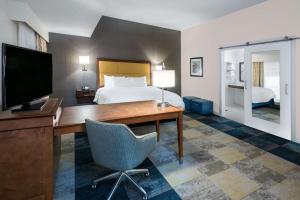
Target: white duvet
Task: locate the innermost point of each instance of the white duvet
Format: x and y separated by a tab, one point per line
262	95
129	94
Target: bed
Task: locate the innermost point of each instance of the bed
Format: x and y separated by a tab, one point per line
262	97
120	94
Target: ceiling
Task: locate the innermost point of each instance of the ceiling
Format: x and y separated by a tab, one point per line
79	17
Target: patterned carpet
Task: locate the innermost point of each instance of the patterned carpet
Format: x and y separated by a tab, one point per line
267	113
222	160
86	171
278	146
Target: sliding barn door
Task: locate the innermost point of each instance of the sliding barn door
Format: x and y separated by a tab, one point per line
268	88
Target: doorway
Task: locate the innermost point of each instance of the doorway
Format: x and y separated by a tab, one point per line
256	87
233	84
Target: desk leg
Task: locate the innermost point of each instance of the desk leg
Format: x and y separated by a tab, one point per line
157	130
180	136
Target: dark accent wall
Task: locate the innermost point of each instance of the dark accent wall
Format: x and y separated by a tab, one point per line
115	39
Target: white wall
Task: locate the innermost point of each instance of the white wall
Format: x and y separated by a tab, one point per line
21	11
8	28
8	34
268	20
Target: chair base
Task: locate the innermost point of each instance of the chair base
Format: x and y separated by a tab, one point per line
122	176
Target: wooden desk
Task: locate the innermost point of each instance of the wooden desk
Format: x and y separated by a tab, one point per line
73	118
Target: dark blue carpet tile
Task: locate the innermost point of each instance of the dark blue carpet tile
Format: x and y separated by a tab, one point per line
208	121
83	156
293	146
86	171
274	139
220	123
239	134
194	115
251	131
100	192
261	143
82	150
218	118
287	154
233	124
80	135
221	126
169	195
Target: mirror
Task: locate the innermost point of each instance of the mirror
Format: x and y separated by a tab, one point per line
266	85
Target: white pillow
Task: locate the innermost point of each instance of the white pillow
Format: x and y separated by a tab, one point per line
130	82
108	81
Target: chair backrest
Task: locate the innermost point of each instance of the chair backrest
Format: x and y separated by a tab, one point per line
112	145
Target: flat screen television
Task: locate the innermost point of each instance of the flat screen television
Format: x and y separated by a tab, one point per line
26	76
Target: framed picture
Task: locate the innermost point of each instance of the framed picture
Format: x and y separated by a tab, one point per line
196	66
241	72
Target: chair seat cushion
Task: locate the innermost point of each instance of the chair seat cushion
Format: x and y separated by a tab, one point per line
187	101
202	106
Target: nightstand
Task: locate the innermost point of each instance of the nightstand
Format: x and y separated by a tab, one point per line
85	97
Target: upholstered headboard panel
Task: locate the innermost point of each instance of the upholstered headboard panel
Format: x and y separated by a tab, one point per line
123	68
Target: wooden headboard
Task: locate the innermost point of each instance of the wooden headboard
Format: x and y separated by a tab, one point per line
128	68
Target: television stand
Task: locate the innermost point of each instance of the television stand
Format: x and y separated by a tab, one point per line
29	107
28	148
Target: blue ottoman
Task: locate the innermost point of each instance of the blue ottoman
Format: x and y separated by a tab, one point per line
188	101
202	106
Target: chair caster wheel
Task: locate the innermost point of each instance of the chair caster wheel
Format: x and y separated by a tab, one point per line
145	197
94	186
147	174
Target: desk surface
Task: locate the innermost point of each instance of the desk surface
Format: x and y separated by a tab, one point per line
49	109
73	118
76	115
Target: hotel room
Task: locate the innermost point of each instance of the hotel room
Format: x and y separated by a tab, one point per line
160	100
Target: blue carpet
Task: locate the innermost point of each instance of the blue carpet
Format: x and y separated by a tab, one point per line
278	146
86	171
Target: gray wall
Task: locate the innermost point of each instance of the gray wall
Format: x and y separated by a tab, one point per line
116	39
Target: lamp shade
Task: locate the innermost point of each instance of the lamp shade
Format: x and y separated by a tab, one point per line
158	67
84	60
163	78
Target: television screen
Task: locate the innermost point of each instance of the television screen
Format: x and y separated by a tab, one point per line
26	75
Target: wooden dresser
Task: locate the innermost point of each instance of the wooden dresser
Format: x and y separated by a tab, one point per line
26	159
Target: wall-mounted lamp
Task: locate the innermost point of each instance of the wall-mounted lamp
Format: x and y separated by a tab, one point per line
84	61
159	67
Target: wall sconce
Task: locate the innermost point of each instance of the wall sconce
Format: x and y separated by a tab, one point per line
84	61
159	67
